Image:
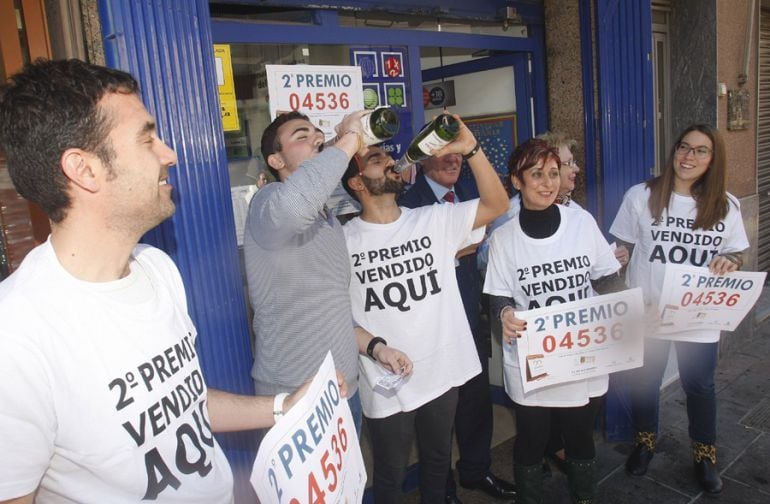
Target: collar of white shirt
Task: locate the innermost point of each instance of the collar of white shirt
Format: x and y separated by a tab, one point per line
440	190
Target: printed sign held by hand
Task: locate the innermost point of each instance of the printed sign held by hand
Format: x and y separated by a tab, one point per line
312	454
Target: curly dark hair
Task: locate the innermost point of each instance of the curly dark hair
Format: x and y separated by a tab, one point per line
47	108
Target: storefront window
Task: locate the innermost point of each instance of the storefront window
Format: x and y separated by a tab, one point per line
248	170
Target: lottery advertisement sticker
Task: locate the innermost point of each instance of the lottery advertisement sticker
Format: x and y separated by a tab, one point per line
325	93
312	454
578	340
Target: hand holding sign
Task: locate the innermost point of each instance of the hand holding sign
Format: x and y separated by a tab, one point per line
295	396
693	298
512	326
577	340
312	454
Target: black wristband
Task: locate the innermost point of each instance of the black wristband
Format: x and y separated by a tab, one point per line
473	152
372	344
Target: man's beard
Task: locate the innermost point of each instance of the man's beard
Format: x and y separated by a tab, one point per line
382	186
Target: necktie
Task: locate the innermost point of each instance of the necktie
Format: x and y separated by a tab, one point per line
449	197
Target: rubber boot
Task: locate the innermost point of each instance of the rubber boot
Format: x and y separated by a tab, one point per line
529	484
640	458
705	460
581	475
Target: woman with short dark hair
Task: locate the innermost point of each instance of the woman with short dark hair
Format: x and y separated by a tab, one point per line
543	233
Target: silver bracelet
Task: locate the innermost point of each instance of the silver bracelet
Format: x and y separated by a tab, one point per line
502	310
278	405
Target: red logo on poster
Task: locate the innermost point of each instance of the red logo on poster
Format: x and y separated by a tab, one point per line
392	66
425	97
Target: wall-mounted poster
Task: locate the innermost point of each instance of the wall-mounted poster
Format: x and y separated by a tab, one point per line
386	82
226	87
497	136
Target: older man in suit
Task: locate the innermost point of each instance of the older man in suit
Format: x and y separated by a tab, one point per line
437	183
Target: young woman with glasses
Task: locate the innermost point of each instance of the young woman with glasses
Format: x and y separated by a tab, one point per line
688	197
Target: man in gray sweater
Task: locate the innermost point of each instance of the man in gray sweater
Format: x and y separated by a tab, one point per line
297	266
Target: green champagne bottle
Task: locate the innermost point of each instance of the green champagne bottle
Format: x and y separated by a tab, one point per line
434	135
382	124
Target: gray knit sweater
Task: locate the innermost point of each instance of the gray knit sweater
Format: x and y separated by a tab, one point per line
298	273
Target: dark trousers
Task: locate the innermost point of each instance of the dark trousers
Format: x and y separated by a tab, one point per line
473	427
697	363
533	429
356	410
392	439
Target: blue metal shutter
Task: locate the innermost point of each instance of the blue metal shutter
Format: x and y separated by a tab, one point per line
624	38
167	45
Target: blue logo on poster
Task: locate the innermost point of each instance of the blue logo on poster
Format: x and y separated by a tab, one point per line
368	63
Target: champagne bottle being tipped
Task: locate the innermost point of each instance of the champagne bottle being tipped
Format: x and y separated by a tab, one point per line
382	124
436	134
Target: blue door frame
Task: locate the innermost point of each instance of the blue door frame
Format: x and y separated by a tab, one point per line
166	44
620	137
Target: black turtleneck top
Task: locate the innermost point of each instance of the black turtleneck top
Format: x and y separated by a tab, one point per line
540	223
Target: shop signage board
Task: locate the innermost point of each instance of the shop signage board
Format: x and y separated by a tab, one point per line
385	78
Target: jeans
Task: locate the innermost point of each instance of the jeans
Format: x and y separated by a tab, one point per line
392	439
697	362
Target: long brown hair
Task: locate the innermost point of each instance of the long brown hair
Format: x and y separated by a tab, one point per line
709	190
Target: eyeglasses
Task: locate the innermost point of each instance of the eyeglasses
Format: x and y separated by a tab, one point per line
702	152
569	164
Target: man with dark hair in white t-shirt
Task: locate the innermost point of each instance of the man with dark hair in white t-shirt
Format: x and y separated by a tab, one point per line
100	385
404	290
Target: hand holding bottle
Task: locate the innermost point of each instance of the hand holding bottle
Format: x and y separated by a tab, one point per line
463	144
380	125
433	136
350	133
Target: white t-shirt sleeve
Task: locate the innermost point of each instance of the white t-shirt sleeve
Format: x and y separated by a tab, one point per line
626	224
736	239
605	262
459	219
27	417
499	280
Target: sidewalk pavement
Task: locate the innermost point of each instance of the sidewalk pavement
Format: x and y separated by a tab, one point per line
743	442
